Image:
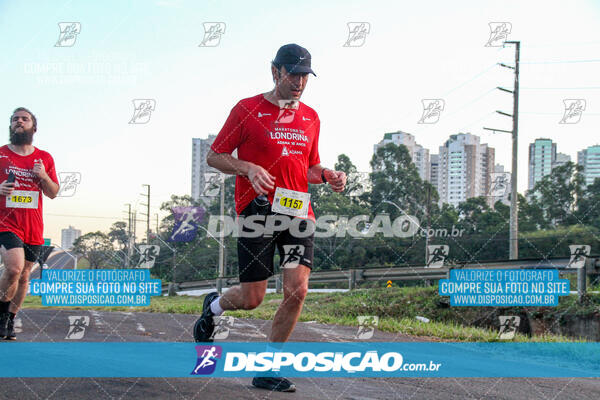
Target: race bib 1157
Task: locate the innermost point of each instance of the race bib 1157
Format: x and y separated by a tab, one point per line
291	202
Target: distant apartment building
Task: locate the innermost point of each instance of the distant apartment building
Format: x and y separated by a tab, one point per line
68	237
561	159
434	161
542	156
418	154
589	159
464	168
200	148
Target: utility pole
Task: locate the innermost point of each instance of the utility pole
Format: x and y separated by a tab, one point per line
156	223
134	219
221	238
147	214
428	209
129	247
514	210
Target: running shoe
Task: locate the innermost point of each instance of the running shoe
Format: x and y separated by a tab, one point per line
3	324
205	325
10	330
275	384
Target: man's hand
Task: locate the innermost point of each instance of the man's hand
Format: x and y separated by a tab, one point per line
39	170
6	188
337	179
261	180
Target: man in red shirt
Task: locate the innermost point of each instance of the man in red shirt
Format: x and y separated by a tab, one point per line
277	142
26	173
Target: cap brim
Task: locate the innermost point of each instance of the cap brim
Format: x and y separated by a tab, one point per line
298	69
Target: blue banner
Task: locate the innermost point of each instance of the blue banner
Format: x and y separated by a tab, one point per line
96	287
504	287
301	359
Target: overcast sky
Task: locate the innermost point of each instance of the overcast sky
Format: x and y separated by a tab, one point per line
82	94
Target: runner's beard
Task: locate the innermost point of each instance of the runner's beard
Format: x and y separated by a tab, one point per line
18	139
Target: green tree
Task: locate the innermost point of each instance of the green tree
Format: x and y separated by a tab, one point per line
531	215
558	192
588	207
395	179
97	248
118	233
470	213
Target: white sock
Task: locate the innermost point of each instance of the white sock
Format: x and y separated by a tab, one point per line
215	307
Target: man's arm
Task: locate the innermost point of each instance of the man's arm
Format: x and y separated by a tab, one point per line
261	180
49	187
337	179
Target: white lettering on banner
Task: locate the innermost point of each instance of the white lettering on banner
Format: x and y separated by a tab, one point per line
320	362
289	136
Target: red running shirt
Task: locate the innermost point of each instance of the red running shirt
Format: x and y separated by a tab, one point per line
283	141
26	223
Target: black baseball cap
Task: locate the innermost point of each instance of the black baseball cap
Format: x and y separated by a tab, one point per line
295	59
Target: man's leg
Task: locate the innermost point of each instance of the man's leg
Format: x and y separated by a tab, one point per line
14	260
246	296
21	292
295	287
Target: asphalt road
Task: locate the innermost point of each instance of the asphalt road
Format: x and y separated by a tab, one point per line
56	260
52	325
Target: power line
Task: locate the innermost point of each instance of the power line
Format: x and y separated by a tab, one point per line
563	88
476	76
562	61
89	216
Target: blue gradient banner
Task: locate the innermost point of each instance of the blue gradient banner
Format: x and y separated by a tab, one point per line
96	287
504	287
301	359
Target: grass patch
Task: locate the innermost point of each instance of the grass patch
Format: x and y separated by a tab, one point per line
396	307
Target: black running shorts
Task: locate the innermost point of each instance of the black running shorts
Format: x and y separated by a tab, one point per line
9	240
255	254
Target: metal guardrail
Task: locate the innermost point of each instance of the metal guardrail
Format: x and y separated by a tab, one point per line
409	273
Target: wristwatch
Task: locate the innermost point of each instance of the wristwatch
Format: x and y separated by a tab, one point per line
323	175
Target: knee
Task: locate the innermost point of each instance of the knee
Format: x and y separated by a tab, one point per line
296	295
251	302
13	273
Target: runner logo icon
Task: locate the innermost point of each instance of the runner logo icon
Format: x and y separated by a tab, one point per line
436	255
366	326
212	34
432	109
508	326
77	325
573	110
499	32
222	326
293	254
207	359
579	254
68	33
